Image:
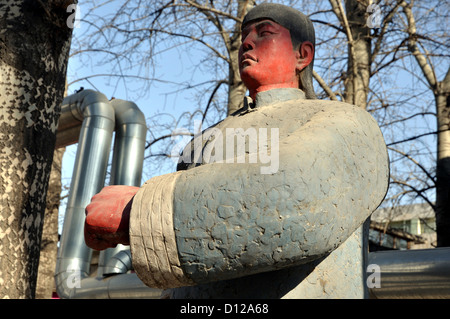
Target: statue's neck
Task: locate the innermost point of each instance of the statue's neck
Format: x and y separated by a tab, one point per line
278	95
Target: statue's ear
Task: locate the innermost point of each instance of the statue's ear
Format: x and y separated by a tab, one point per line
305	55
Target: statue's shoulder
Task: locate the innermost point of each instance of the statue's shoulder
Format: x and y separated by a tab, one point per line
334	110
308	108
298	112
329	106
339	106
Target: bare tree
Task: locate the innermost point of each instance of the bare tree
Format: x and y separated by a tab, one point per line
47	259
352	20
366	65
34	47
132	39
380	77
417	46
138	35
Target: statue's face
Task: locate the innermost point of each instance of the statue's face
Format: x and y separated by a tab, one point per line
267	59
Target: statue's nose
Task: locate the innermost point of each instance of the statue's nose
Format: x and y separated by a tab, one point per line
247	43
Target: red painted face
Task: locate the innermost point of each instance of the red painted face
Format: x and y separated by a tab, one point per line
267	59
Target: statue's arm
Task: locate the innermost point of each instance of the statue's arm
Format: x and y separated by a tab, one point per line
221	221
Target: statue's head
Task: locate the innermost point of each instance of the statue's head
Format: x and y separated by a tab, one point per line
277	49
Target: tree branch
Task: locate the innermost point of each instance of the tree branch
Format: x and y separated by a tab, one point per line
213	10
415	137
340	13
324	86
380	36
414	49
415	162
167	136
211	98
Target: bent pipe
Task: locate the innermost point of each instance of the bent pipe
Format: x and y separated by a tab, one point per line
98	119
410	274
126	169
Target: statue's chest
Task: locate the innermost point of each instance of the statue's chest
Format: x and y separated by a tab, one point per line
238	137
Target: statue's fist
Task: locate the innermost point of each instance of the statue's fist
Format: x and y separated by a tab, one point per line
108	217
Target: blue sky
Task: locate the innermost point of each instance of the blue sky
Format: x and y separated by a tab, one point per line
172	66
159	99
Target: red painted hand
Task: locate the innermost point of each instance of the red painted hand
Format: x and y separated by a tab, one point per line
108	217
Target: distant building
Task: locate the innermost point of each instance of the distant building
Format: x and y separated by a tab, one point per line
403	227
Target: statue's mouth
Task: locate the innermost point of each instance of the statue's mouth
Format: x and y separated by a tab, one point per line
247	59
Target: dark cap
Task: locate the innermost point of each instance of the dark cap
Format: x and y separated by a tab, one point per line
298	24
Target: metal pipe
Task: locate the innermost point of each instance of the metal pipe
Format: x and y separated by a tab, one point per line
120	263
88	178
421	273
107	261
126	169
71	117
99	119
129	145
123	286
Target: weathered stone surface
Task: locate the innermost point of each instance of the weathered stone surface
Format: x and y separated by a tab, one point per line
333	172
155	257
232	221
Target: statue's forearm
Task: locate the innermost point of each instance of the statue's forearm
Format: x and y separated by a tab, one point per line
249	222
221	221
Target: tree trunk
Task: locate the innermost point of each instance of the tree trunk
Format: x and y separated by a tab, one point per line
358	72
443	163
441	91
237	89
34	47
49	242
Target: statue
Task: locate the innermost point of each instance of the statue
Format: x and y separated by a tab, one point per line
229	224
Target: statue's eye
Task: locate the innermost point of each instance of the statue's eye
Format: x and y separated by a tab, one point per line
265	33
